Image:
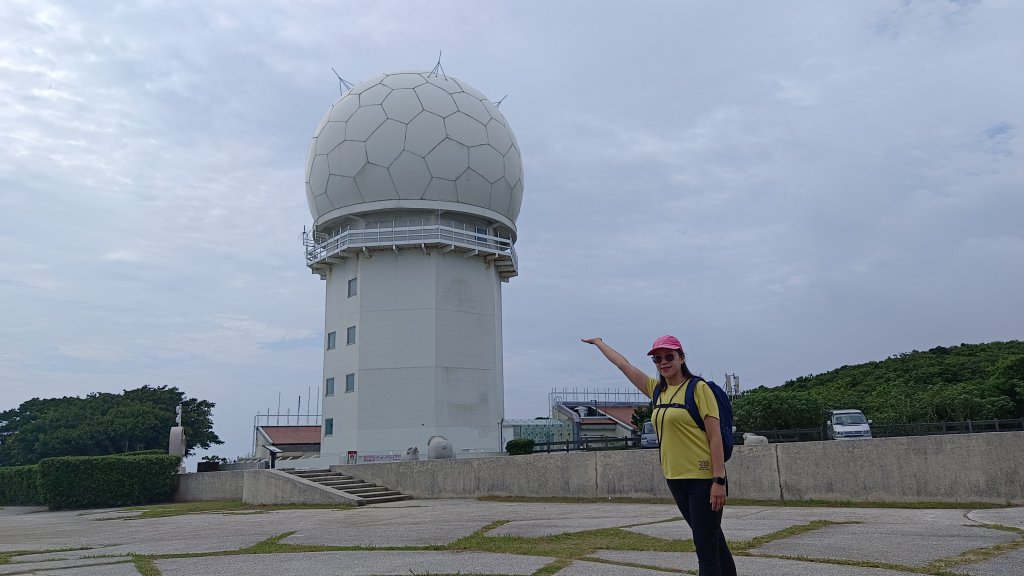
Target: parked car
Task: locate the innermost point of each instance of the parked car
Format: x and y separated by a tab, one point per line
847	425
648	437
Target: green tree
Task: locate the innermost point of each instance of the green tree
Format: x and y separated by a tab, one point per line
641	414
102	423
965	382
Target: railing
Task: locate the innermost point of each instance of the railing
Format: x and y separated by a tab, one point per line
319	249
596	396
801	434
588	445
964	427
288	419
892	430
793	435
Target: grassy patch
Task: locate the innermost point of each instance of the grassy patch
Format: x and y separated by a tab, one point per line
852	504
274	545
553	568
935	568
857	563
145	566
5	557
218	506
741	547
561	500
34	568
980	554
750	502
568	546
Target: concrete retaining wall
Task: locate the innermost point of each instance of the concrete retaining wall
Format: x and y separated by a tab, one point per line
262	487
948	468
227	485
275	487
956	467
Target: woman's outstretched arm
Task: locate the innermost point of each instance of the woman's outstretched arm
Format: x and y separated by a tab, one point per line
634	374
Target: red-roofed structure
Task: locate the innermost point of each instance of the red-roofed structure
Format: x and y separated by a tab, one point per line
293	441
597	414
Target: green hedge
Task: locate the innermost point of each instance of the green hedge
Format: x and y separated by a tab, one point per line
19	486
519	446
101	481
154	451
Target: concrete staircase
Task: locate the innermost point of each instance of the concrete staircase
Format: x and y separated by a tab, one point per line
359	490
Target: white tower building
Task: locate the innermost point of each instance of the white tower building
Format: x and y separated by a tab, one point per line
414	181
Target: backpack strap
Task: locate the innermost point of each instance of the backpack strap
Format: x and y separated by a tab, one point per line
654	400
691	402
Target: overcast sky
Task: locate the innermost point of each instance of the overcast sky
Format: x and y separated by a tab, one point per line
787	186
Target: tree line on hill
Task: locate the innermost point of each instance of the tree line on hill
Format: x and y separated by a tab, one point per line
958	383
101	424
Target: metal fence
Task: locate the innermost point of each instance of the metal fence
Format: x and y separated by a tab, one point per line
802	434
588	445
965	427
890	430
319	247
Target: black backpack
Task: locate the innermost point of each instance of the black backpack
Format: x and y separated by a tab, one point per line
724	410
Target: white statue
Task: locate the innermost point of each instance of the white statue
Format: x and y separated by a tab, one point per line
412	453
438	448
176	443
754	440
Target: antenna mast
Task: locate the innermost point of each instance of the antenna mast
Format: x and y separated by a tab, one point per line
438	67
342	83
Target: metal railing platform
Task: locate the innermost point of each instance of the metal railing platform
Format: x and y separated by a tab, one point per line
322	250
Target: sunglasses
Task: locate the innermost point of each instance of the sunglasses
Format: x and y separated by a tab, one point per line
666	358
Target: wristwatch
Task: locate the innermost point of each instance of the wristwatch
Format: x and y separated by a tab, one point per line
720	480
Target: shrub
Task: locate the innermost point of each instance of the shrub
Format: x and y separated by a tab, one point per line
19	486
101	481
151	452
519	446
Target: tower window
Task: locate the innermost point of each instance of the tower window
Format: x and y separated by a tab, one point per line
328	426
350	335
350	382
329	387
352	287
331	339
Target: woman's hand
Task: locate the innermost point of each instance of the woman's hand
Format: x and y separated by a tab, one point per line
717	497
634	374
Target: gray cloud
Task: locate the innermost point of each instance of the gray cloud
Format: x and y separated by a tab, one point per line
788	188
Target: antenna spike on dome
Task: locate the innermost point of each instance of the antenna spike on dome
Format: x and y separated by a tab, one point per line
438	66
498	103
342	83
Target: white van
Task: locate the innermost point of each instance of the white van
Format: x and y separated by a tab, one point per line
847	425
648	438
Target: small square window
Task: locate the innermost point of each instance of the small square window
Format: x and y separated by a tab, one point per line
350	382
329	387
328	426
331	338
352	287
350	335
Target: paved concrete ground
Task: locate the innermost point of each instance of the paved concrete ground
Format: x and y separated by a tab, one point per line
904	540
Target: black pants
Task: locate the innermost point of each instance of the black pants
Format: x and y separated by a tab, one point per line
693	497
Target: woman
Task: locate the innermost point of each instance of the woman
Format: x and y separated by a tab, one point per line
693	461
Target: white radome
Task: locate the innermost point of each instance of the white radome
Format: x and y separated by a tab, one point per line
413	136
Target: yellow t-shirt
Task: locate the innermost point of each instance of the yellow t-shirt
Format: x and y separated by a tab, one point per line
685	452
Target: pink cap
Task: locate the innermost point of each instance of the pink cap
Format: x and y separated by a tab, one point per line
670	342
